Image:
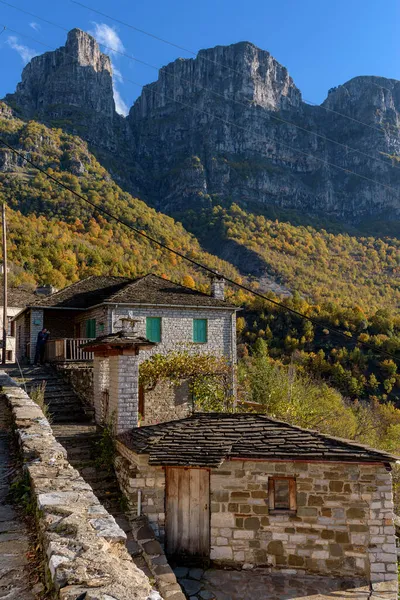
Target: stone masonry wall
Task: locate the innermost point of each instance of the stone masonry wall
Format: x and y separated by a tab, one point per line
134	473
343	524
100	314
80	377
22	335
167	402
83	547
123	405
37	320
177	329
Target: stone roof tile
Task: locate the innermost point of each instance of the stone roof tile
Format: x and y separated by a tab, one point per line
149	289
207	439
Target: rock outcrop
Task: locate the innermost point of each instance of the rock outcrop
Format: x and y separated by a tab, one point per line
72	88
229	124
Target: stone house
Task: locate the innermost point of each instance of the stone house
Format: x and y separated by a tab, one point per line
247	489
172	316
17	299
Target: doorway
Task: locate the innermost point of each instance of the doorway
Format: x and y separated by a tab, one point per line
187	512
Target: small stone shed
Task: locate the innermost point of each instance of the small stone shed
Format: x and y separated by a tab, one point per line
245	488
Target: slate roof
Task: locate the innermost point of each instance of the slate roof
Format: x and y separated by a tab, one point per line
17	297
207	439
120	339
149	289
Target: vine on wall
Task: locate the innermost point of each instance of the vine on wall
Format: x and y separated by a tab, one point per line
209	377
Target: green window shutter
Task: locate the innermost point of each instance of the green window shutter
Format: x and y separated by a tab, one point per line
91	328
153	329
200	330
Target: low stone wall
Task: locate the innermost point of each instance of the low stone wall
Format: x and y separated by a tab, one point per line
167	402
156	560
80	377
84	548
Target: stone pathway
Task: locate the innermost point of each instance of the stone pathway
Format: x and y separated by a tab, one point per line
218	584
14	577
73	426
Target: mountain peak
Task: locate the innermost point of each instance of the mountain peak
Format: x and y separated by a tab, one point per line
69	87
85	48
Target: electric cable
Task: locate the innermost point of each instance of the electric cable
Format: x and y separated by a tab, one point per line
194	262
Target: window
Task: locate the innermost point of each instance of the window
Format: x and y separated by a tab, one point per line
200	331
153	329
91	328
282	493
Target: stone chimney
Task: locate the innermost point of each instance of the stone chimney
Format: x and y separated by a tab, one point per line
218	287
45	290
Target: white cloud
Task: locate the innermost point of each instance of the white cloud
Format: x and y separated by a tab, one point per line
120	105
117	75
107	36
25	53
34	26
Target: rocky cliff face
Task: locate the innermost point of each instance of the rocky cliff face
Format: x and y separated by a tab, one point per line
72	88
229	124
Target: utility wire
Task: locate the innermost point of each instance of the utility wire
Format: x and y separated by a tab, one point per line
194	262
213	92
193	53
262	138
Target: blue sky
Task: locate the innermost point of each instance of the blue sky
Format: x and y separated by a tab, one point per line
321	43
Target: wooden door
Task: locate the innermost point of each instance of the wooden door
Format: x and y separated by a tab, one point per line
188	512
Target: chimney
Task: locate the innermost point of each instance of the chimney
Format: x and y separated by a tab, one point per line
45	290
218	287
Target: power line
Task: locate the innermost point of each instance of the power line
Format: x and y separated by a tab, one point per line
193	53
140	232
213	92
264	139
270	115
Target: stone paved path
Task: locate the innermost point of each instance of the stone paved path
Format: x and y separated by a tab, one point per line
14	582
215	584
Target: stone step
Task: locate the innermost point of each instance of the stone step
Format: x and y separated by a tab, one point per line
60	396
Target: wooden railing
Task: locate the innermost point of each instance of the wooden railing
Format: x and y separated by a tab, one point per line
67	349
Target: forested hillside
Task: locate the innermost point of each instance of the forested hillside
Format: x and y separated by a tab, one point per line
349	269
57	239
339	279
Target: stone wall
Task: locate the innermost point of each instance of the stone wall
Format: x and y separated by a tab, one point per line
167	402
36	325
101	314
177	329
123	403
343	524
84	548
79	375
134	473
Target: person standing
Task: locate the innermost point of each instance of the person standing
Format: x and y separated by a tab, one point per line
41	342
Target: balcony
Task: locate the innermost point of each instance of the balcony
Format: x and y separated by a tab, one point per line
67	350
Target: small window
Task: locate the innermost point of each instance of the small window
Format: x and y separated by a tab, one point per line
153	329
91	328
200	331
282	493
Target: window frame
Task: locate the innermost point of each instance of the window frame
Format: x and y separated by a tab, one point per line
206	332
292	508
159	320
